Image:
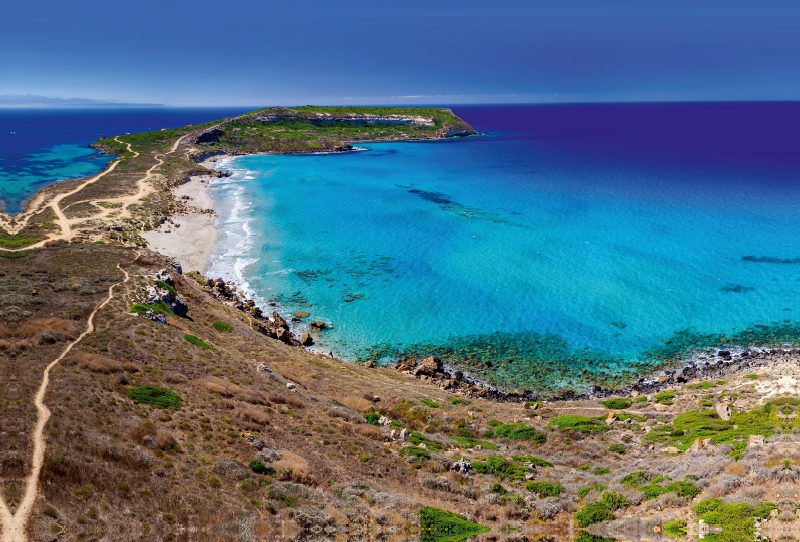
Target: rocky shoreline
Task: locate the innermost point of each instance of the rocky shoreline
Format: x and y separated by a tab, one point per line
716	366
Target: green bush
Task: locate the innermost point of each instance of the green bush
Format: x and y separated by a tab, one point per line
683	489
50	512
456	401
416	438
257	466
535	461
652	491
763	509
416	453
518	431
500	468
495	423
635	479
222	327
429	403
441	526
582	424
617	448
498	489
589	537
467	442
545	489
164	286
601	472
664	398
675	528
707	505
592	513
614	500
584	491
197	341
617	403
372	418
157	308
153	395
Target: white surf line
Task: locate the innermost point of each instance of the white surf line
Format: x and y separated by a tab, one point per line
14	524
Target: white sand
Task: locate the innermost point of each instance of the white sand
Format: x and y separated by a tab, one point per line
190	243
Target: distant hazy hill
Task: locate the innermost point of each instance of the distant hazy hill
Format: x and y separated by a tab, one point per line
32	100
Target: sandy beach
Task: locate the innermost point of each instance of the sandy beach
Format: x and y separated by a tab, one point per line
190	238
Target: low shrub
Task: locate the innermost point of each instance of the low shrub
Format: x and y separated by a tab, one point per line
416	438
635	479
222	327
197	341
372	418
456	401
157	308
518	431
467	442
535	461
164	286
592	513
50	512
584	491
441	526
675	528
617	403
683	489
664	398
617	448
415	452
429	403
601	471
582	424
545	489
153	395
614	500
258	466
498	489
500	468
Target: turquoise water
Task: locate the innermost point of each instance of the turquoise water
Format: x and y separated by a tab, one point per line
524	256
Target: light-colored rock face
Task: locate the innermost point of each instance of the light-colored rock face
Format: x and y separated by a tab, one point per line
724	411
356	119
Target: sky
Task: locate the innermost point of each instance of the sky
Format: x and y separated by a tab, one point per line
264	52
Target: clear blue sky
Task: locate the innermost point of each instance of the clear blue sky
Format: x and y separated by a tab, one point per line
254	52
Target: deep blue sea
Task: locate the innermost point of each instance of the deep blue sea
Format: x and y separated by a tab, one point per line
566	246
41	146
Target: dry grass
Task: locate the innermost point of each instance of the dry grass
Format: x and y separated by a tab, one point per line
95	363
213	384
174	378
300	470
356	403
738	468
254	419
60	329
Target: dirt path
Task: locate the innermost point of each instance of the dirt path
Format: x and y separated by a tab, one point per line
14	524
66	224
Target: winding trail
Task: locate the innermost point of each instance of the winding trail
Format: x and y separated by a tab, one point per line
14	524
66	224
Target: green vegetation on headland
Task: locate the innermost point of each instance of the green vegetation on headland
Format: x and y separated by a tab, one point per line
324	129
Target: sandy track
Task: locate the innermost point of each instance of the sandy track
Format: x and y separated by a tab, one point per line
14	524
66	224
